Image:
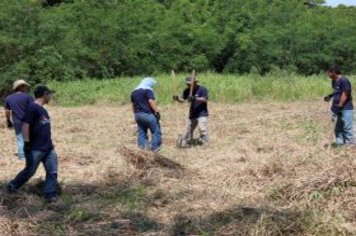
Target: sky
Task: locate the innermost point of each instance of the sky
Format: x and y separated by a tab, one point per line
337	2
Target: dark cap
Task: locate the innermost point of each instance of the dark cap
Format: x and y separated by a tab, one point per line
335	69
41	90
190	79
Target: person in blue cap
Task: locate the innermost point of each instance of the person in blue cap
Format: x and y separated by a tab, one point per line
38	146
342	106
147	115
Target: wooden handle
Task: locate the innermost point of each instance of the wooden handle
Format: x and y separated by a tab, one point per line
192	84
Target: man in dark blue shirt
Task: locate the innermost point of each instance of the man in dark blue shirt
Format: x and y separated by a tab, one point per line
342	106
38	146
15	106
146	115
198	97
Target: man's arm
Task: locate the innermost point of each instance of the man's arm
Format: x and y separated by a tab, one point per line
26	123
132	103
26	131
182	97
327	98
8	118
133	107
7	114
26	135
202	99
153	106
203	96
178	98
152	102
343	99
345	93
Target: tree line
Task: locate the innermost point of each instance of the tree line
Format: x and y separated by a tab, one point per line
73	39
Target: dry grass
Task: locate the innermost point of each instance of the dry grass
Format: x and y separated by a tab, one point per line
268	171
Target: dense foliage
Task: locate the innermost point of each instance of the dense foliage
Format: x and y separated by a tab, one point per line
71	39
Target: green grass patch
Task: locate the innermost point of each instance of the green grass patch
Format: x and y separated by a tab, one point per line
312	131
80	215
224	88
56	228
131	197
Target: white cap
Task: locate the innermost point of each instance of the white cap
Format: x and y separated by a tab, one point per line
19	83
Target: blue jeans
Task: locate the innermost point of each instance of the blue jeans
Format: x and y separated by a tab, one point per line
33	159
20	142
344	129
147	122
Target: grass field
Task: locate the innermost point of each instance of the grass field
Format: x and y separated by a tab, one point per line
268	171
278	86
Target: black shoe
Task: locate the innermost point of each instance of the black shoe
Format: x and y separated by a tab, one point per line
337	145
52	199
10	189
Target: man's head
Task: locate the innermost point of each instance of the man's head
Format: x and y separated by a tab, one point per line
191	80
148	82
43	93
21	86
334	72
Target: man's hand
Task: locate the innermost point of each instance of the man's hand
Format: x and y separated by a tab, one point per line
178	98
192	99
158	116
338	110
9	124
27	147
327	98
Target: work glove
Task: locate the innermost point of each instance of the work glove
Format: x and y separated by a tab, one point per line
338	111
175	98
158	116
27	147
192	99
9	124
327	98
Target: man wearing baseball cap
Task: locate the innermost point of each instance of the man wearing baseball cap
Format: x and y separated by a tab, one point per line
342	106
198	97
38	146
15	106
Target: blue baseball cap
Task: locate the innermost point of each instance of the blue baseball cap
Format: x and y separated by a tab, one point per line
42	90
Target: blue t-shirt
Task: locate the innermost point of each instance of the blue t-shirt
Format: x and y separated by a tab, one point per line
40	128
197	109
17	103
139	99
339	86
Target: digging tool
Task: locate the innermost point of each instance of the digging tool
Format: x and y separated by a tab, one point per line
180	136
333	123
332	133
192	84
182	142
175	92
